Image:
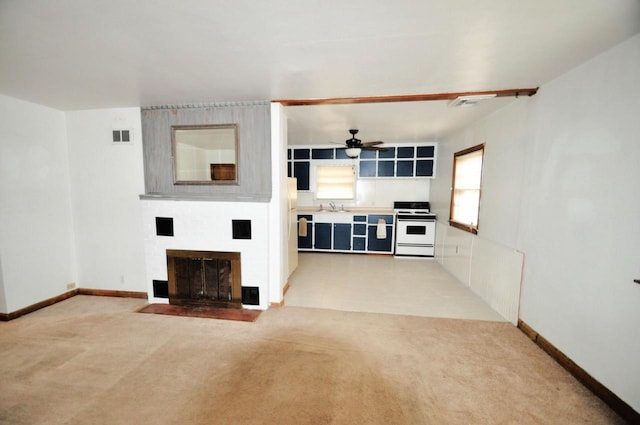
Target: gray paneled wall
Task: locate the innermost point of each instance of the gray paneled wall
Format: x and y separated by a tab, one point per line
254	145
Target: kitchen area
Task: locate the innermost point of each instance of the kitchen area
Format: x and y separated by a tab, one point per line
365	234
373	203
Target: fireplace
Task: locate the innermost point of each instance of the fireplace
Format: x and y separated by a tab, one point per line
204	278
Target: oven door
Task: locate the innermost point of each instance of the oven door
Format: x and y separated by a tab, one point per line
415	229
415	236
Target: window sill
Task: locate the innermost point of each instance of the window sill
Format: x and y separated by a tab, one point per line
463	226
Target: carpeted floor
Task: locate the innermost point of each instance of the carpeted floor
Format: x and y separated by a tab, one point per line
92	360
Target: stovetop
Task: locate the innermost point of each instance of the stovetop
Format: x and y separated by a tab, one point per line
415	208
412	205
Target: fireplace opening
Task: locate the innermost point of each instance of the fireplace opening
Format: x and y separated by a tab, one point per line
204	278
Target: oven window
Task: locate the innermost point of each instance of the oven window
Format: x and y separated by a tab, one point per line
416	230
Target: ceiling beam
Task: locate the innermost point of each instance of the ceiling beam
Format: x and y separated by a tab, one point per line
404	98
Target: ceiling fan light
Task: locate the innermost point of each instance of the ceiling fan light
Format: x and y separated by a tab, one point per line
353	152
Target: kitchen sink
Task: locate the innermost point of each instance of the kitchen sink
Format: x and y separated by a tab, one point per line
333	216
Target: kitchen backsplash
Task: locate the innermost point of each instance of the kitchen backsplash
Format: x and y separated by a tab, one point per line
376	193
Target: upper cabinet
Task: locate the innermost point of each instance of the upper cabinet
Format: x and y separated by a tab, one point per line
399	161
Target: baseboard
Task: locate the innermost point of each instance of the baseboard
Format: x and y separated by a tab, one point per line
5	317
602	392
111	293
281	303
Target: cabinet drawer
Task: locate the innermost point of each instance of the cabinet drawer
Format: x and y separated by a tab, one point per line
373	218
360	229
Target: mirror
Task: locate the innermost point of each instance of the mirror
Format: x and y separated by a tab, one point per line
205	154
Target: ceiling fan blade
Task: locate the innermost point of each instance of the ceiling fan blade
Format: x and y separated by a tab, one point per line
372	143
374	148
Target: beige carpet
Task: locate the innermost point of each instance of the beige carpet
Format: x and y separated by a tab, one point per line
92	360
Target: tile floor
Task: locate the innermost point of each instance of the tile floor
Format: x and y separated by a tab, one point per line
382	284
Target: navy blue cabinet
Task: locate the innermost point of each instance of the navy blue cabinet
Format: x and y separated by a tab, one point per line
401	161
359	244
346	233
374	243
342	236
301	172
323	235
306	242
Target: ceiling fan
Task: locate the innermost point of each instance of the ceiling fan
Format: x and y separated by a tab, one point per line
355	146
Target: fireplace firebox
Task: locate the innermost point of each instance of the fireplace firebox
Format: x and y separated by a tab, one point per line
204	278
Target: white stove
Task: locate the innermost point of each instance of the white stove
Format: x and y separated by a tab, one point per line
415	229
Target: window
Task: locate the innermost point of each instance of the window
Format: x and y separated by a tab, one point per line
335	182
466	187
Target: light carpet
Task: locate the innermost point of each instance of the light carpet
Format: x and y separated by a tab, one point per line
92	360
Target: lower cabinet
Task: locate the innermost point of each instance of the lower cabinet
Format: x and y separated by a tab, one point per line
342	236
322	232
360	235
376	244
380	241
306	241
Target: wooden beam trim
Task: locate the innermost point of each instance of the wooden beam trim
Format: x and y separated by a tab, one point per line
404	98
606	395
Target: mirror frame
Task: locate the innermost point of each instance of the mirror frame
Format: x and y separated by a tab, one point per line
234	181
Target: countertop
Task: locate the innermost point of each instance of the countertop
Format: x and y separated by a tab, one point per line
352	210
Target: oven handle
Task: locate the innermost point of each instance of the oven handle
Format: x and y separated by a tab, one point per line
418	219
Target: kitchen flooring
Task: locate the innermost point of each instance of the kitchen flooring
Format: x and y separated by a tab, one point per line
382	284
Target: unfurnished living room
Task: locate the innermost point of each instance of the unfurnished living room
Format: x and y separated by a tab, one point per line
304	212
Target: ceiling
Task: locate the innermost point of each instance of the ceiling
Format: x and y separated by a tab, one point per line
82	54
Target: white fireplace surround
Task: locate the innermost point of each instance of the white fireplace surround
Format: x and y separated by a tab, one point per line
206	226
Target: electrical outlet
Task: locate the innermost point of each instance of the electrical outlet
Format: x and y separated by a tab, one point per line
71	285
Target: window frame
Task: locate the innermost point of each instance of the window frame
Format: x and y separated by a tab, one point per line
456	156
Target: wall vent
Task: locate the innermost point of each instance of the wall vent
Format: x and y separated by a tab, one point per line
122	136
472	100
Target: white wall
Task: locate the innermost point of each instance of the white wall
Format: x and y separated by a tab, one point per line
560	184
583	187
36	235
376	193
278	207
106	180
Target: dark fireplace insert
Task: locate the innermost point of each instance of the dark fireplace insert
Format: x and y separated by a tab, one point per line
204	278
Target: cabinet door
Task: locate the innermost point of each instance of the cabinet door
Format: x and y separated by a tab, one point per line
359	244
301	172
305	242
323	235
373	243
342	236
379	245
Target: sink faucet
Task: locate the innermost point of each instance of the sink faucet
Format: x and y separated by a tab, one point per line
332	205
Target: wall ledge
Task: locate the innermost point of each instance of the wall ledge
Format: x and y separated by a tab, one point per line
613	401
226	197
